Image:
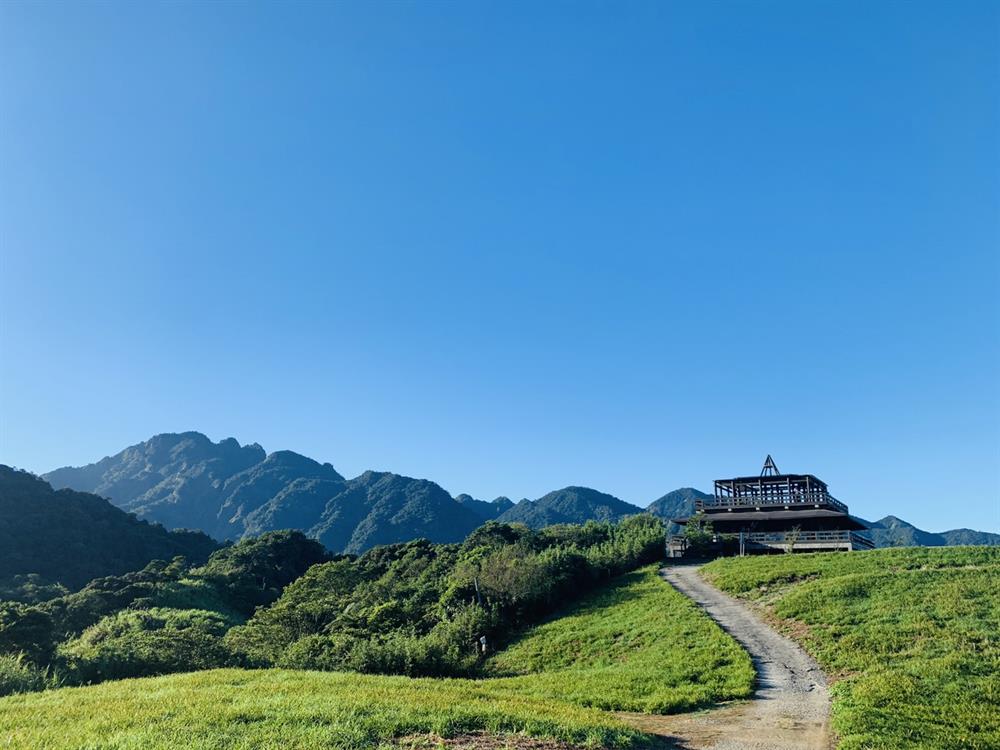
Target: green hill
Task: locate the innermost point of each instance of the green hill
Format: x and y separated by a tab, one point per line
382	508
911	635
569	505
620	650
72	537
677	503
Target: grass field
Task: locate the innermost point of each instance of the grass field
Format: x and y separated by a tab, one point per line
638	646
292	710
635	645
913	633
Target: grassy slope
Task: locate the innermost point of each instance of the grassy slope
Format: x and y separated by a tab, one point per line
636	645
915	633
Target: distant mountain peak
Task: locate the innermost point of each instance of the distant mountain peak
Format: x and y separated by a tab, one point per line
184	480
488	511
573	504
893	522
677	503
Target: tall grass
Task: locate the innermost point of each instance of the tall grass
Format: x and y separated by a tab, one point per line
18	675
913	634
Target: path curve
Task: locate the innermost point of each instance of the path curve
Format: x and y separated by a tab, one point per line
790	707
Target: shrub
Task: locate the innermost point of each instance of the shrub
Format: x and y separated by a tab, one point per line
146	642
18	675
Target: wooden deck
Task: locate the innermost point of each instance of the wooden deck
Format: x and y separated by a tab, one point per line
781	541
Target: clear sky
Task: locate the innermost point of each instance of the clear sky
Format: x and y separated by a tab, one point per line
512	246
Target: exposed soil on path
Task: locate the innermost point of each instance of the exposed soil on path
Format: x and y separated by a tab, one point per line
790	708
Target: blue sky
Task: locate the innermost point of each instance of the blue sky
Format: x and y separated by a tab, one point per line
512	246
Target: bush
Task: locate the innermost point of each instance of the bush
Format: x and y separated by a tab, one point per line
146	642
18	675
30	589
26	631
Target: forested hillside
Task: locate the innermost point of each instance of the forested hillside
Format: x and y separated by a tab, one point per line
678	503
69	538
416	608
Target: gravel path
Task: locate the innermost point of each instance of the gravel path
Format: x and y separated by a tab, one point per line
790	707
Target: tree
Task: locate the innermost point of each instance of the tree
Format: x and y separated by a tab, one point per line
699	534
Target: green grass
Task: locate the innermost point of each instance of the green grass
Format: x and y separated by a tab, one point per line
291	710
636	645
914	635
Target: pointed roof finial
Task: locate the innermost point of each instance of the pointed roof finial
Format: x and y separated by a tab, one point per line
770	468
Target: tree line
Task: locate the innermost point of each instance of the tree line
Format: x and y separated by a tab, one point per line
281	599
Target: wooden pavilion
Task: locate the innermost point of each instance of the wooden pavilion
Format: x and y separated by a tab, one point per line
775	512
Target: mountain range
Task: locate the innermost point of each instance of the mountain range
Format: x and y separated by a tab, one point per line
895	532
230	491
184	480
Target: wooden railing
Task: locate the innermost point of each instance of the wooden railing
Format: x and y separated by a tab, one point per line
679	543
798	537
772	500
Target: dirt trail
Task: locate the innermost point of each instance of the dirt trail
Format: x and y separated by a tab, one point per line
790	708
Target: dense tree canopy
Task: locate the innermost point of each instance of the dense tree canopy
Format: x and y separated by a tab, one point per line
70	538
414	608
